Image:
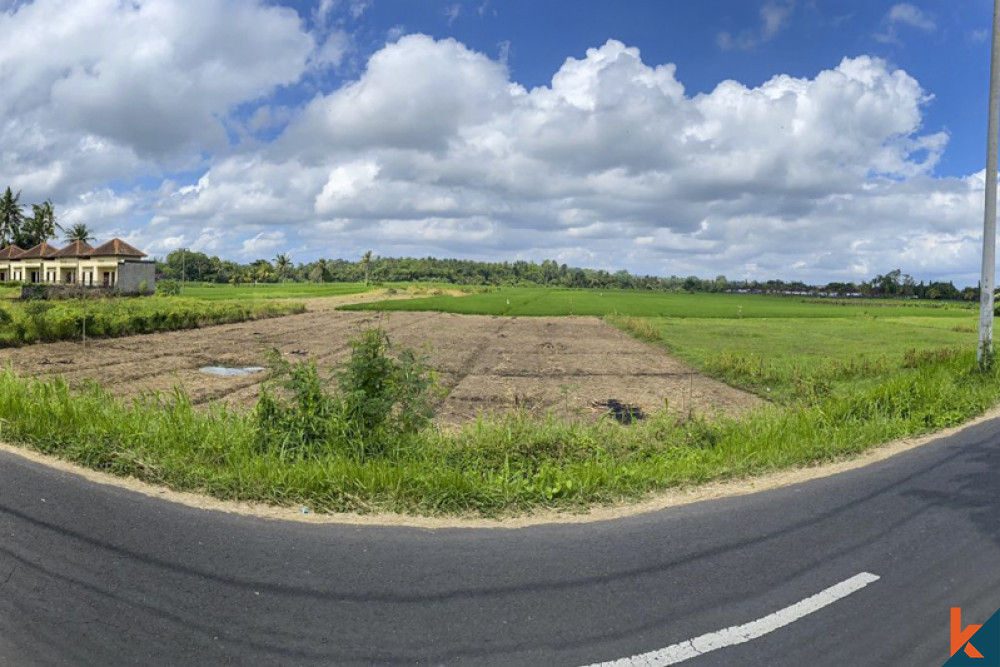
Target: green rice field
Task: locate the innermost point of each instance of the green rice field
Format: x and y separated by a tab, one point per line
216	292
516	302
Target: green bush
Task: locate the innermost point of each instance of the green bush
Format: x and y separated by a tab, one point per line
168	288
382	399
38	324
32	321
385	396
303	423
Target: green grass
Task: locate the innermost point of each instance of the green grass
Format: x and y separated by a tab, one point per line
489	468
791	360
213	292
559	302
216	292
26	322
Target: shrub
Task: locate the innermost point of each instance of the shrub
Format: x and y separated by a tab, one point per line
381	399
168	288
38	325
385	394
302	425
32	321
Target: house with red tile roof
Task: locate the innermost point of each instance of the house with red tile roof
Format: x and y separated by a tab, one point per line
114	264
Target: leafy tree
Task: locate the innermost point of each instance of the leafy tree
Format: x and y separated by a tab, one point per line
190	265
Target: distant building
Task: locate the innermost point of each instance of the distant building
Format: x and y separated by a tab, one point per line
114	264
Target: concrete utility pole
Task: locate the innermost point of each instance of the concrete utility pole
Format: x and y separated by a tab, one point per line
985	351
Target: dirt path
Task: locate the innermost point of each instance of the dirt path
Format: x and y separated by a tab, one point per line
487	363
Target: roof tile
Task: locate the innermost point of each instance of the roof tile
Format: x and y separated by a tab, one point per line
116	248
76	249
41	251
11	252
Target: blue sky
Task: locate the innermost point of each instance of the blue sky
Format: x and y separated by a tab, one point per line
951	61
809	139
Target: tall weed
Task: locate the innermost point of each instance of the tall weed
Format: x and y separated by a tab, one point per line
382	400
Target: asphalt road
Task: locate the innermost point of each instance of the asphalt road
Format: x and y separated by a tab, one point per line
94	575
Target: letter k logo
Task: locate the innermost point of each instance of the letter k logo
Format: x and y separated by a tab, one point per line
960	637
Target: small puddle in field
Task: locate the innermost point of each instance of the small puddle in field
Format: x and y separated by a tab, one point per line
225	371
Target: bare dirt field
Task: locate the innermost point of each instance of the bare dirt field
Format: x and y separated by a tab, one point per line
488	364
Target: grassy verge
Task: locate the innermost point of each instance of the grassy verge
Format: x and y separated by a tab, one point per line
489	468
40	321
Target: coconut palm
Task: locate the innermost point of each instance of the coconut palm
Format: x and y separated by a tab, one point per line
48	213
324	270
41	226
262	273
78	232
11	216
282	263
366	264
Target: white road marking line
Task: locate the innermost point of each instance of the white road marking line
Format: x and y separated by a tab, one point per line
739	634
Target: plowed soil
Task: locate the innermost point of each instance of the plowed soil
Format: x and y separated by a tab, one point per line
488	364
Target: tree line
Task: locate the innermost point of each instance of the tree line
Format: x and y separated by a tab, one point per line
200	267
26	231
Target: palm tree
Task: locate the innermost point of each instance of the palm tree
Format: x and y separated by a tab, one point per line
41	226
282	264
11	216
262	272
79	232
48	213
366	264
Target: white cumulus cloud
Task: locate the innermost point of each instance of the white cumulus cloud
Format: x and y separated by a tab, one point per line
98	90
435	149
